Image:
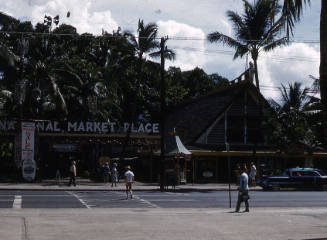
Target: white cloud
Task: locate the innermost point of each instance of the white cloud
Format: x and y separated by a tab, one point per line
189	53
289	64
186	18
80	15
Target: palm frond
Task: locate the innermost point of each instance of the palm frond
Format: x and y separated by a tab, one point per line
236	19
225	40
70	75
316	83
240	52
277	43
292	10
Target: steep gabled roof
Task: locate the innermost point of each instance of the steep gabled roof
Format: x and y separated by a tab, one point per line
192	118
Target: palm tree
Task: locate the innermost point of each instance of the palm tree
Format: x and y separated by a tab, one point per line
255	31
146	39
291	12
144	42
295	116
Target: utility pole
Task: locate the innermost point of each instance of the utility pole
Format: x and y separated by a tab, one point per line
163	113
229	175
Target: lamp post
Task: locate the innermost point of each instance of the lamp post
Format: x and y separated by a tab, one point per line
229	175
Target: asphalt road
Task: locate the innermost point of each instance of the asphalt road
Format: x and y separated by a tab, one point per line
156	199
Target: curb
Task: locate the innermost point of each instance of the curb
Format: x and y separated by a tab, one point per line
123	190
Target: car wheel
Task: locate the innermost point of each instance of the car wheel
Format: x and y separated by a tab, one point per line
324	187
275	187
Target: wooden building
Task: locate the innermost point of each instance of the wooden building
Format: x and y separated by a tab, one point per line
231	115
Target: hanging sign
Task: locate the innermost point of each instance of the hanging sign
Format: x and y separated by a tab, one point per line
28	163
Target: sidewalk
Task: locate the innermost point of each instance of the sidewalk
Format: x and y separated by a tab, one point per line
88	185
163	224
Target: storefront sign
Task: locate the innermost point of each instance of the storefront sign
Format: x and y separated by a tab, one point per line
85	127
65	147
28	163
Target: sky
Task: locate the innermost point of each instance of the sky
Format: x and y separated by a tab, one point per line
193	20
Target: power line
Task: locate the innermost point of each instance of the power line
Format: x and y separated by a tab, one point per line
181	38
227	52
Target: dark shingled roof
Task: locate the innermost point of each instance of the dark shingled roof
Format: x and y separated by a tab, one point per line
192	118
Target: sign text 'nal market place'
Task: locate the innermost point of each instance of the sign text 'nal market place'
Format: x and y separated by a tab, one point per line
84	127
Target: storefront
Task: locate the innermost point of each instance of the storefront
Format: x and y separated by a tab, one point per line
88	143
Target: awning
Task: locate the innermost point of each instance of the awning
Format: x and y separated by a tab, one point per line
174	148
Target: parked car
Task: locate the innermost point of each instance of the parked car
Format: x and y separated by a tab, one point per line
310	178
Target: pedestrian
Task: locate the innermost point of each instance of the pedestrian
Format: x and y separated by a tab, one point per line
243	194
106	172
129	180
237	173
253	173
58	176
72	172
114	175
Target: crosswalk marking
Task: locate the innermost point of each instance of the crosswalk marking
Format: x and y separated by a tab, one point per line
146	202
81	200
17	204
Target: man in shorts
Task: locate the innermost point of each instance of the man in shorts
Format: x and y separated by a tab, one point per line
129	179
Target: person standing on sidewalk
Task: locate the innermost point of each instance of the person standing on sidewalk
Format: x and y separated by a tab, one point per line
114	175
72	172
106	172
243	194
253	173
129	179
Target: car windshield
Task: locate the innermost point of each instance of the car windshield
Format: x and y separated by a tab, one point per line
322	173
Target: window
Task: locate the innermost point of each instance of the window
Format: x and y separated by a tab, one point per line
309	173
296	174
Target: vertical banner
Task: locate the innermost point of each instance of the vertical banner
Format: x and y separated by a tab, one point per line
28	162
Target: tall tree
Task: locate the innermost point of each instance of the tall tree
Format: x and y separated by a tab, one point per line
255	30
294	118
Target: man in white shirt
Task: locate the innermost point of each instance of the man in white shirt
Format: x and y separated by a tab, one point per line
243	194
253	173
129	179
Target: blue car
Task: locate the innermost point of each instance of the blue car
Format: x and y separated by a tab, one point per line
309	178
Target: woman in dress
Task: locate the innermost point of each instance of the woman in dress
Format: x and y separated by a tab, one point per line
114	175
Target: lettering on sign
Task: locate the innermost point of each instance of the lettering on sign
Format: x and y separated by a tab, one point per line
84	127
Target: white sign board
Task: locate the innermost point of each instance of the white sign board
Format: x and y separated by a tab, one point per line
28	163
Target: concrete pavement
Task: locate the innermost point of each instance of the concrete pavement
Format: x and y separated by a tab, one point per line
162	224
88	185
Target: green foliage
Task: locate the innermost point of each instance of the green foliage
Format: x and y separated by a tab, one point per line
295	120
255	30
63	72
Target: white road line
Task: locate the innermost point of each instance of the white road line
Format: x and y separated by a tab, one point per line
176	193
38	195
81	200
145	201
17	204
173	200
